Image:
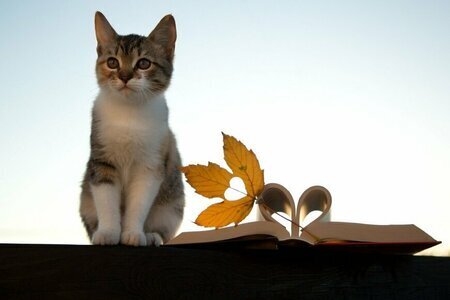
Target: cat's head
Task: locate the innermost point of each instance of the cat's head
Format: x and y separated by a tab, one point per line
134	66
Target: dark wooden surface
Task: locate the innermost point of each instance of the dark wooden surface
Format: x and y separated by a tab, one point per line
89	272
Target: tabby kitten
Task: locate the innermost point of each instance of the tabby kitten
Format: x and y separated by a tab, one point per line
132	192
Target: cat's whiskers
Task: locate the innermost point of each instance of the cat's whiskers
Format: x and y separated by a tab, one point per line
148	90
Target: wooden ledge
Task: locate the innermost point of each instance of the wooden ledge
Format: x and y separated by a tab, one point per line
87	272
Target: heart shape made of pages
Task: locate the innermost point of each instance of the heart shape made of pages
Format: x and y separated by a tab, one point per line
277	199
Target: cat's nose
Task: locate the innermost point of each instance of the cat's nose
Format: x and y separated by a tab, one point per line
125	76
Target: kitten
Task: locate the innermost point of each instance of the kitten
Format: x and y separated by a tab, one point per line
132	192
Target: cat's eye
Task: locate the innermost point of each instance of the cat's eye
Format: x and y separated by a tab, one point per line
143	64
112	63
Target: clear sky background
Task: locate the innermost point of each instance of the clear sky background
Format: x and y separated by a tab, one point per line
351	95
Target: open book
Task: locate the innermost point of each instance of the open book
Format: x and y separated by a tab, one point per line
320	233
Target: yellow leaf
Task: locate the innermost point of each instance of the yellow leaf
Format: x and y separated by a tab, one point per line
209	181
244	164
212	181
226	212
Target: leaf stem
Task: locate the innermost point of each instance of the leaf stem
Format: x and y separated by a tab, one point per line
236	190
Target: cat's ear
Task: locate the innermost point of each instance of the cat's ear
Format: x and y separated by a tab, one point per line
103	30
165	34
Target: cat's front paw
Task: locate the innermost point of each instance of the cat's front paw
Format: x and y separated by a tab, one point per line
106	237
133	238
154	239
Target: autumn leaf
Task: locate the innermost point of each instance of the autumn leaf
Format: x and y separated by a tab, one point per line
226	212
244	164
213	181
209	181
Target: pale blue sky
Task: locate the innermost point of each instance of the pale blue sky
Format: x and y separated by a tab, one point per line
352	95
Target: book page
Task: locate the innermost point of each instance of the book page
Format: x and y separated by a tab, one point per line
342	231
315	198
227	233
275	199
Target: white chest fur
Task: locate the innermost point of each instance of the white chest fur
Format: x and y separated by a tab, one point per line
131	132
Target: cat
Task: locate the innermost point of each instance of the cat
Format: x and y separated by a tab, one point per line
132	192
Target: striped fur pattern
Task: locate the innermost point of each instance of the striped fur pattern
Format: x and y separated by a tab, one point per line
132	191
